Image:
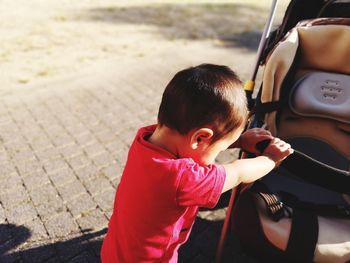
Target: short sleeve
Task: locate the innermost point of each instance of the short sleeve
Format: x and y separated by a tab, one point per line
200	185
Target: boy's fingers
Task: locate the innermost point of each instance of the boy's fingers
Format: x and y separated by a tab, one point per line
287	150
275	140
265	132
264	137
284	145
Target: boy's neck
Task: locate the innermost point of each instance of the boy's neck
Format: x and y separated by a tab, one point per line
167	139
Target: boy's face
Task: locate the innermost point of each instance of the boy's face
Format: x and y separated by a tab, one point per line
207	152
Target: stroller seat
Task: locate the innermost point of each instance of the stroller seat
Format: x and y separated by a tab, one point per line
300	212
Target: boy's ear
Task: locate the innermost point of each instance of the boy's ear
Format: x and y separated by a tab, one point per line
200	136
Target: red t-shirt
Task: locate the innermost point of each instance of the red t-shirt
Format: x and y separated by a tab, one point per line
156	203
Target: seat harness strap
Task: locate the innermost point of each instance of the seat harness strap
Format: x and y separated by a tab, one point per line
332	210
282	204
303	237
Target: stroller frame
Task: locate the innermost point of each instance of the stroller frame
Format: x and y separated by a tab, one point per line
265	46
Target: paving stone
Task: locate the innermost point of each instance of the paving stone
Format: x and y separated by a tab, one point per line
91	121
121	155
55	165
81	204
21	114
54	259
3	155
7	168
32	132
98	184
211	235
10	180
213	215
40	253
78	161
9	248
127	136
94	149
28	166
5	118
112	172
2	217
97	127
87	173
40	142
96	243
47	154
5	233
21	213
14	143
62	177
72	247
72	150
105	136
8	132
44	194
9	257
70	190
106	199
37	230
50	209
92	220
55	129
75	127
108	213
85	139
14	197
47	202
103	160
24	155
62	140
35	180
85	257
113	147
61	225
39	112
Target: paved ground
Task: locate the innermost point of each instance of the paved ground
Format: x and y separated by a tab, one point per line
63	147
64	141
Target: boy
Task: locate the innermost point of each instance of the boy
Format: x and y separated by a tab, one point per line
170	171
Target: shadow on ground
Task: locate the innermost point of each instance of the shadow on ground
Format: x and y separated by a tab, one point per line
83	248
234	25
201	246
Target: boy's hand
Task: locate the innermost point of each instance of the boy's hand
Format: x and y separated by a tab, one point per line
250	138
278	150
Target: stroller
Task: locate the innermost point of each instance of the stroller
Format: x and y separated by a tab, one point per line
300	212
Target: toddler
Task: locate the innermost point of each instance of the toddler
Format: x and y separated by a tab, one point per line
170	170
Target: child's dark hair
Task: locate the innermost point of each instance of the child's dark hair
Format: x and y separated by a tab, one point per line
204	96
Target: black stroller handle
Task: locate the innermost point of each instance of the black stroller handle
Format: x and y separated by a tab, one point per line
262	145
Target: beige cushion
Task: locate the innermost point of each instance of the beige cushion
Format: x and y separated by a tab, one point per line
322	48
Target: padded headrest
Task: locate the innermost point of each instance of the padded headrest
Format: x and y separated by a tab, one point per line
319	45
321	94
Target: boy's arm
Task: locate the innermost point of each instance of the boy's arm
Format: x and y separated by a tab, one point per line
246	171
249	170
